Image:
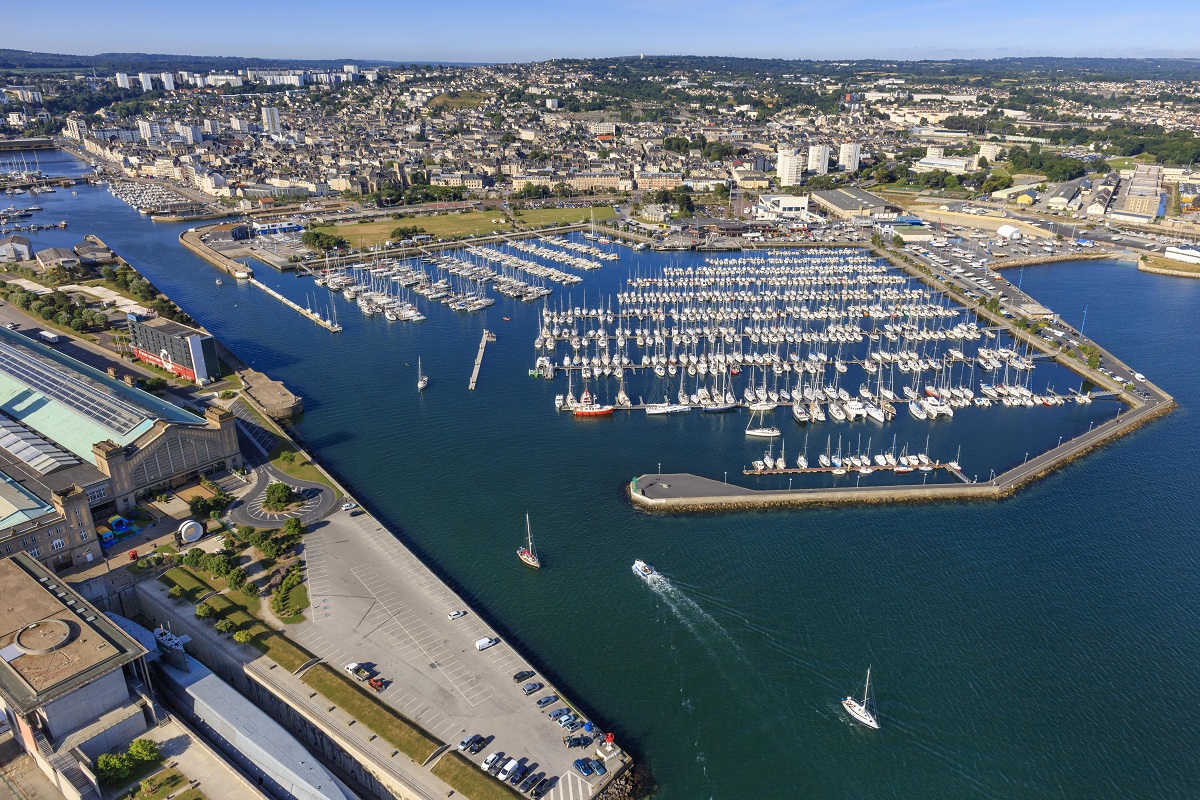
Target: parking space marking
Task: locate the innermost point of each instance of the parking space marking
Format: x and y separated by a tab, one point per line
408	635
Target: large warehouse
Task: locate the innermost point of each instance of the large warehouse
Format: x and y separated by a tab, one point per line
74	440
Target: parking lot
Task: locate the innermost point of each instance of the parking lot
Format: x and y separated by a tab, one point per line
374	603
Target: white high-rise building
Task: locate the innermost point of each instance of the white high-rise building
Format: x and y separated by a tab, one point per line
123	81
148	130
168	81
147	81
790	167
818	159
849	154
192	134
270	120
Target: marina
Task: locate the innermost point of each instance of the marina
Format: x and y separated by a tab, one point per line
707	648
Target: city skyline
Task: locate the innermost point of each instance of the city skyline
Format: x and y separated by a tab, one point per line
482	33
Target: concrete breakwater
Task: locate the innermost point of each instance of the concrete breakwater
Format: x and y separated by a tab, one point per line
685	492
190	239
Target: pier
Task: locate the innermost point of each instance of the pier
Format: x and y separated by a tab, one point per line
847	470
488	336
328	325
685	492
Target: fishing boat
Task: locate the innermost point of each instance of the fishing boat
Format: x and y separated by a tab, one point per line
527	553
422	378
862	711
642	569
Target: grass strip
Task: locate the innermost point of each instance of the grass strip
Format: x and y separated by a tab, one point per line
386	722
466	778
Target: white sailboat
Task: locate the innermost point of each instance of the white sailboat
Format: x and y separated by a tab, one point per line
863	711
422	378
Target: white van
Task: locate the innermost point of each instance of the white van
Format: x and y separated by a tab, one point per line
486	642
507	772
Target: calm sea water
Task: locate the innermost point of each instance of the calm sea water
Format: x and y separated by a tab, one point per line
1040	647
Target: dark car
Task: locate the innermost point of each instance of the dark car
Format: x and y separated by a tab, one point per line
518	774
597	767
531	687
523	675
576	741
546	785
547	700
583	767
477	748
532	780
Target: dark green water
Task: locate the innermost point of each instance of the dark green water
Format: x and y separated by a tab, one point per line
1042	647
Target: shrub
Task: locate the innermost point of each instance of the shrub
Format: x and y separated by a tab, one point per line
204	611
280	596
271	548
175	592
287	456
242	637
225	626
194	558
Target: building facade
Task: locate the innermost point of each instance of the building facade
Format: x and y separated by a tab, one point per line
176	348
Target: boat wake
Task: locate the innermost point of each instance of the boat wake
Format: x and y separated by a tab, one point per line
702	624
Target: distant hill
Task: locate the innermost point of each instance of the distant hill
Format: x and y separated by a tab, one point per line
109	63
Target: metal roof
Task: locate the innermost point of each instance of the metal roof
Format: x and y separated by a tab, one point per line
24	444
72	404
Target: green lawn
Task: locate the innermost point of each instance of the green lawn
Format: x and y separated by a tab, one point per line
168	782
442	226
235	607
385	721
532	217
469	780
299	467
459	100
297	598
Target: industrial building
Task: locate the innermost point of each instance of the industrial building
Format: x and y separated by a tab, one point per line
65	409
181	350
73	684
850	202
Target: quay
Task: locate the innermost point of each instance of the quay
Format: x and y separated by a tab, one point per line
190	239
488	336
856	470
328	325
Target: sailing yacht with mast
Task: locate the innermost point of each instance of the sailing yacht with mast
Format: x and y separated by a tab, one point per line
527	553
863	711
422	378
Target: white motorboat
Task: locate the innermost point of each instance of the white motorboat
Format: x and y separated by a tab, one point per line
642	569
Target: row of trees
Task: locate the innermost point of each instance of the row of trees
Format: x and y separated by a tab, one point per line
323	241
126	279
114	767
57	307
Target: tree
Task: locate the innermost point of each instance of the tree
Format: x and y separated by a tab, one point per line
194	558
175	592
271	548
204	611
236	578
278	496
293	527
144	750
898	241
113	767
224	626
242	637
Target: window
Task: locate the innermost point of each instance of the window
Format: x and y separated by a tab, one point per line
83	535
78	518
36	552
57	544
98	493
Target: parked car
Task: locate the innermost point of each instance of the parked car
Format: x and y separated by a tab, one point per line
512	766
498	764
574	726
583	767
543	786
518	774
487	763
566	720
597	767
349	506
523	675
547	700
486	642
559	712
467	742
531	687
531	780
480	743
577	741
456	614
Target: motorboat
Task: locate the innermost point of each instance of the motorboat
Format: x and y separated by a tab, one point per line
642	569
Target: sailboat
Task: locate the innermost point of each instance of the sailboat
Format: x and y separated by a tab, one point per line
422	378
863	711
528	554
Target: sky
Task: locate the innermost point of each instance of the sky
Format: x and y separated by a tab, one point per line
534	30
